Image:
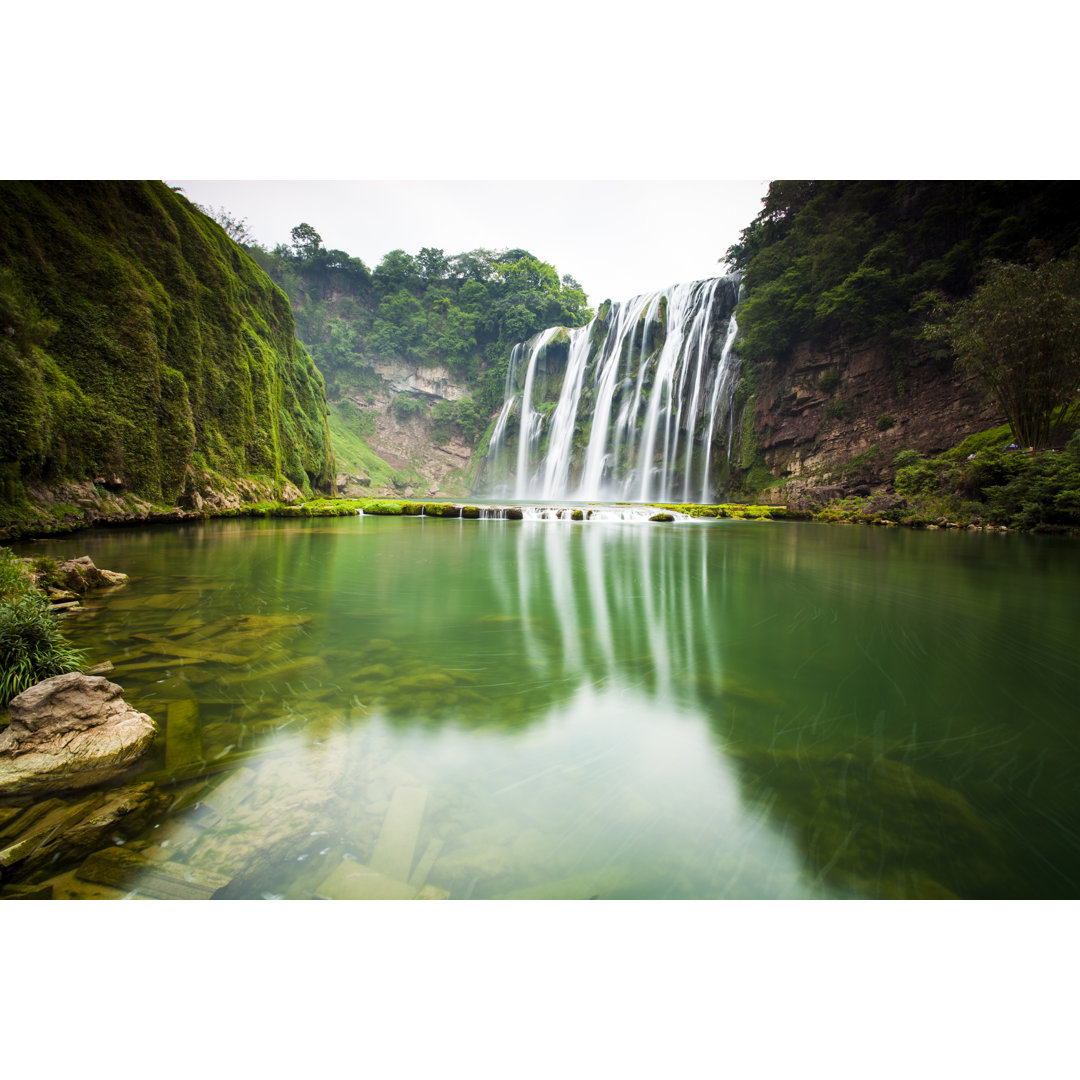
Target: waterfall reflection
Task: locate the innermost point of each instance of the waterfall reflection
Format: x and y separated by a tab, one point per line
612	603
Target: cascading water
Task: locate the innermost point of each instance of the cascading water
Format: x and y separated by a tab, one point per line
630	406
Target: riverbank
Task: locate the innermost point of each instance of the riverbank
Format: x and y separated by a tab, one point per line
70	518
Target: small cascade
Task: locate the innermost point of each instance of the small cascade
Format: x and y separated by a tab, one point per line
629	407
575	513
596	513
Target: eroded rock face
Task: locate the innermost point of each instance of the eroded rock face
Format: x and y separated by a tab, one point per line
71	731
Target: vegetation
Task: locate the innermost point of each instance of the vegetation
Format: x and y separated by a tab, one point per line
986	481
1020	333
141	348
464	312
830	261
32	646
924	273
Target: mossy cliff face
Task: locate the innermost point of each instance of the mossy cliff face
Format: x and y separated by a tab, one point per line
142	350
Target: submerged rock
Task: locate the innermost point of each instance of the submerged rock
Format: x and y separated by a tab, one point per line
57	833
71	731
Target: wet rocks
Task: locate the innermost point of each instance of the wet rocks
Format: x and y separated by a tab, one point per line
71	731
56	832
81	575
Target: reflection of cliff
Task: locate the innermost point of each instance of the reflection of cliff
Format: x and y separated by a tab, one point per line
873	827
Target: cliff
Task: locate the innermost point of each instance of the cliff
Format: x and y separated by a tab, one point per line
840	279
146	362
822	423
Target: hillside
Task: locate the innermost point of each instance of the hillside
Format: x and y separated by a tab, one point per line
146	361
415	352
840	279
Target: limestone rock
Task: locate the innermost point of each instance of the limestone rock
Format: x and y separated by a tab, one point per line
71	731
81	575
70	832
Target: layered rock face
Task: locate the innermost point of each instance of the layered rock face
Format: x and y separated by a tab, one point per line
810	416
71	731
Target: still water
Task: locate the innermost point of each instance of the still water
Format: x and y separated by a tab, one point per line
384	706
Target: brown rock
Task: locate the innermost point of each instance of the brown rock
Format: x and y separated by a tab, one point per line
80	575
71	731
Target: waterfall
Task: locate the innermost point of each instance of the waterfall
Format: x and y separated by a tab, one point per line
531	420
644	393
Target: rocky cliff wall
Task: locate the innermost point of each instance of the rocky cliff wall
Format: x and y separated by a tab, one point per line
838	418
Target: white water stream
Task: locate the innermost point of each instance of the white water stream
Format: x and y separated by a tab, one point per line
644	397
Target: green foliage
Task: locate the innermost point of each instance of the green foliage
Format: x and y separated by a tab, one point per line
1044	496
904	458
32	646
838	409
993	485
854	260
829	381
45	566
1019	332
306	241
885	421
463	311
153	346
14	580
455	418
407	407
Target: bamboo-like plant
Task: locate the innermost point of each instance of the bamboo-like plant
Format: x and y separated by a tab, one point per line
32	645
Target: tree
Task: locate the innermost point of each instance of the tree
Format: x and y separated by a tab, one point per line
235	228
432	263
397	270
306	241
1019	332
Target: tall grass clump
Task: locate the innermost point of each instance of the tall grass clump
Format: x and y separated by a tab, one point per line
32	646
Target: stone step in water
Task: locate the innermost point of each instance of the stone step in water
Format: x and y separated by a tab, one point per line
355	881
427	861
394	850
183	734
128	871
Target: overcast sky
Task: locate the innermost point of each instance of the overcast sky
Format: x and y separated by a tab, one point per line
617	238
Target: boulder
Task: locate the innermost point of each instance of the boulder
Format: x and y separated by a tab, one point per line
71	731
80	575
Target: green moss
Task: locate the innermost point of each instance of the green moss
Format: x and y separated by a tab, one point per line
154	347
381	506
470	511
441	510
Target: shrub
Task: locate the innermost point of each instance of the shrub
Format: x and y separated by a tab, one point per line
905	458
828	381
32	646
885	421
406	407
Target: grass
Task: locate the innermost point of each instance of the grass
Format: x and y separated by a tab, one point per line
32	646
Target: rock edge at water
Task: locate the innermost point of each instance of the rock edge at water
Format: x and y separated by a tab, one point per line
71	731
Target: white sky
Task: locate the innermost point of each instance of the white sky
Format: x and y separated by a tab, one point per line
617	238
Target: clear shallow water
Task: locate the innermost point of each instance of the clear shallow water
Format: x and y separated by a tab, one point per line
551	709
